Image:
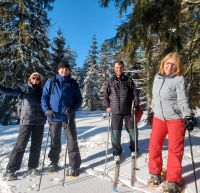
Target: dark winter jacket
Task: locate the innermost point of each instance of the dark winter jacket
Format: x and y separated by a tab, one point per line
60	94
31	111
119	94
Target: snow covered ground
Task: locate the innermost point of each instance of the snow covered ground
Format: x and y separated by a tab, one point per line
92	135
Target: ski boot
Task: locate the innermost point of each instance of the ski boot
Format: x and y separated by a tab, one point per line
155	180
72	172
9	175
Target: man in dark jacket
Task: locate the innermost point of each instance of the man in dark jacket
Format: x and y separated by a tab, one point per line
32	120
61	98
119	94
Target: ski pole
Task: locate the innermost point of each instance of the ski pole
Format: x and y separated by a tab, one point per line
193	164
43	159
66	134
106	159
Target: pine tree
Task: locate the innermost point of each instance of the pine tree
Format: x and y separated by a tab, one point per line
105	68
91	100
58	48
63	51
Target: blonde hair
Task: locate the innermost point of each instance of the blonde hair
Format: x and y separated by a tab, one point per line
178	65
35	74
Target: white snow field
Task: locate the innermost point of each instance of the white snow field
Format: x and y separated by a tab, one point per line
92	136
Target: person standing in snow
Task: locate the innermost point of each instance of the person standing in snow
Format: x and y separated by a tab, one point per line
172	116
32	120
119	94
61	98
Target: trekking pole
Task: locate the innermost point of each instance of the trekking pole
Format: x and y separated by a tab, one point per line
193	165
136	134
43	159
65	152
134	156
106	159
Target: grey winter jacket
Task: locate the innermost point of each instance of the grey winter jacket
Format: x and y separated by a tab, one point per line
169	97
119	94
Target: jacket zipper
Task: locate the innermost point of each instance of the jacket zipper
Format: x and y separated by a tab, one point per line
160	99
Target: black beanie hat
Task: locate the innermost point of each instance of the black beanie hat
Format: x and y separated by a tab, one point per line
63	64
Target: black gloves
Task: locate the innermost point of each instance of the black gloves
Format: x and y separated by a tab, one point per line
70	111
150	118
26	88
49	113
189	123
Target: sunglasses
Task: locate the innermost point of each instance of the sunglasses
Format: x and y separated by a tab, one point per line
34	78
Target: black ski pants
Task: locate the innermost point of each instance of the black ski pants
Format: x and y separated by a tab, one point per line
72	143
16	156
116	129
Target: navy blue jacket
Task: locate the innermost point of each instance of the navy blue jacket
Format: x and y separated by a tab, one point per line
31	111
60	94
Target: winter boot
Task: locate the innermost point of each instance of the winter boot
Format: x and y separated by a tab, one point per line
173	187
53	167
72	172
9	175
155	180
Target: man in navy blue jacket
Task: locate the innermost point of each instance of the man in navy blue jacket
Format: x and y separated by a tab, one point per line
60	99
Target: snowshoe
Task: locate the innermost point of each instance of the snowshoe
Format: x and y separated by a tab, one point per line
155	180
173	187
53	167
117	158
72	172
33	172
9	176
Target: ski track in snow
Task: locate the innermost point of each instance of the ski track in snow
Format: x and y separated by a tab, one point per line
92	135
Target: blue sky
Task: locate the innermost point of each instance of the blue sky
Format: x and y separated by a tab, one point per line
79	20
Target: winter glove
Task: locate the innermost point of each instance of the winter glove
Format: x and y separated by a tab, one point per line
70	111
26	88
150	118
189	122
49	113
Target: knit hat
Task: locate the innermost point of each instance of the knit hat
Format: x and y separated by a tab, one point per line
36	74
63	64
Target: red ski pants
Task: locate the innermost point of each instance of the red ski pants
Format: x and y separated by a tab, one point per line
176	133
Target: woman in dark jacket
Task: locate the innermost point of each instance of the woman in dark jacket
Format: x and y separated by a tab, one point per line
32	120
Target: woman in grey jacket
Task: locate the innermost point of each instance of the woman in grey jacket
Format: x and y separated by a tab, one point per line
32	120
171	111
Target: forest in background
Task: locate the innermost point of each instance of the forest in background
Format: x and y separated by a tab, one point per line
151	29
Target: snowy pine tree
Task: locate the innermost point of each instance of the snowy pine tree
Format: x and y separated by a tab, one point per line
61	51
58	48
105	68
91	100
